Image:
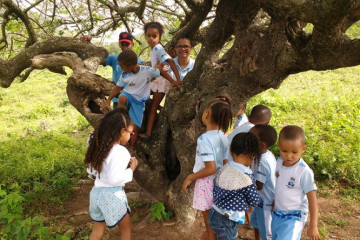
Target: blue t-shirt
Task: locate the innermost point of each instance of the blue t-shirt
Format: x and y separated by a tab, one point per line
185	70
111	60
211	146
265	173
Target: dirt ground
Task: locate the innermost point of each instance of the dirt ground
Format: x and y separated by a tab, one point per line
338	219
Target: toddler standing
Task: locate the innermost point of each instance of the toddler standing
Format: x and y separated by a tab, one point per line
210	155
234	188
295	190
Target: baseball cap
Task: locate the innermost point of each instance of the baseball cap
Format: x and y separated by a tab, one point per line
125	37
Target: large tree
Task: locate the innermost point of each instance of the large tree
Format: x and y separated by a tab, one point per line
268	44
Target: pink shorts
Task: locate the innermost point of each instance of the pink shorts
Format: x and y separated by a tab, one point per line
160	84
203	194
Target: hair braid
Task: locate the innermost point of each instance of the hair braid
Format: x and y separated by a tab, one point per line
221	113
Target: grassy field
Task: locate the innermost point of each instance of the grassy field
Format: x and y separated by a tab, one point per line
42	139
327	106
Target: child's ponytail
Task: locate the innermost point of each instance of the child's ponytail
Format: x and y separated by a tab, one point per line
221	113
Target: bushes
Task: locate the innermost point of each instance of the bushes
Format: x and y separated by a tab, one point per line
13	223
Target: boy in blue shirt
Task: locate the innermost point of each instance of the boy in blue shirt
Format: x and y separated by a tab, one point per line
134	85
264	174
295	189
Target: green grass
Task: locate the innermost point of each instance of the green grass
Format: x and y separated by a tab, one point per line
327	106
38	149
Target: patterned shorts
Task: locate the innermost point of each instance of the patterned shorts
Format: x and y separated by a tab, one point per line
203	194
108	204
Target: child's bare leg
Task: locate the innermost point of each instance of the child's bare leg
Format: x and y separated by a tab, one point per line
157	98
98	231
122	102
134	137
257	234
210	234
204	236
247	214
125	228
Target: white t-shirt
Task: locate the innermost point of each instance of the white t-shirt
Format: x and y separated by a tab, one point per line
240	120
265	173
138	84
243	128
292	185
158	53
115	171
211	146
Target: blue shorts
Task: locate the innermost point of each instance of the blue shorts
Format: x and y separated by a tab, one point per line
286	228
223	227
261	220
115	105
108	204
136	108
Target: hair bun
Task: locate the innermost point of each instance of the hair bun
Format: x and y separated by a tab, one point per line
224	98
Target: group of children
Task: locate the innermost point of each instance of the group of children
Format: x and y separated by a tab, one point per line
232	172
137	82
282	192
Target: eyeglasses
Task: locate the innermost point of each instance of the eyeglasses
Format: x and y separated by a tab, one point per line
186	47
131	133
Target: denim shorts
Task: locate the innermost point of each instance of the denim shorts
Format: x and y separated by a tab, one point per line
224	228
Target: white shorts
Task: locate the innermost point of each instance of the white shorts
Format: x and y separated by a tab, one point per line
160	84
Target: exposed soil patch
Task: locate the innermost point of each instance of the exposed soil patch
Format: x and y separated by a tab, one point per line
339	219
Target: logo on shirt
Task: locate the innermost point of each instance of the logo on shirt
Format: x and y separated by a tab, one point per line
277	174
291	183
132	84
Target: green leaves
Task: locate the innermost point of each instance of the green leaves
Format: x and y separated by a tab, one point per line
13	223
159	213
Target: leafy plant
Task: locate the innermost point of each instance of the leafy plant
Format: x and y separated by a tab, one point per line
13	223
159	213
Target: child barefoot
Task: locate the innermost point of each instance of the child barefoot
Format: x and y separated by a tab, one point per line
295	189
264	174
110	159
160	86
210	155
